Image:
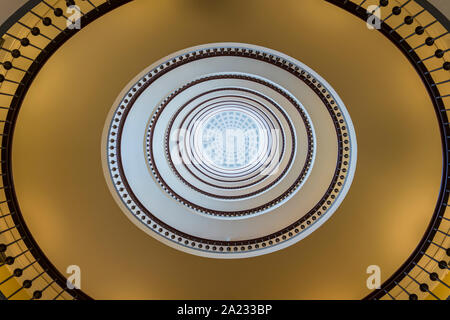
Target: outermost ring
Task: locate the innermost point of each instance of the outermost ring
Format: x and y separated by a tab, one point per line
224	255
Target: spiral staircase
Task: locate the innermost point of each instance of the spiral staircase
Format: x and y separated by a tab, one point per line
56	91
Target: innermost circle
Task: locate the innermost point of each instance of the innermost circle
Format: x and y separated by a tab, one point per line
230	139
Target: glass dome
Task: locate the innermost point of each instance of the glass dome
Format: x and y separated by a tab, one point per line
231	139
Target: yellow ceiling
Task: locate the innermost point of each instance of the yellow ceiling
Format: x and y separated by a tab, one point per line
72	215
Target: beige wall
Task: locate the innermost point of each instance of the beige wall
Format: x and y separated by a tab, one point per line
7	7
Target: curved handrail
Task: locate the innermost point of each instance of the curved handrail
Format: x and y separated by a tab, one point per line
443	121
96	11
19	13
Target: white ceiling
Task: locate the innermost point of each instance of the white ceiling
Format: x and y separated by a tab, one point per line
442	5
8	7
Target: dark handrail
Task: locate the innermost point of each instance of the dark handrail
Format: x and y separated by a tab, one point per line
10	126
439	107
112	4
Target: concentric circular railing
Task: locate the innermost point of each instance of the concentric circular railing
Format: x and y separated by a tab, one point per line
40	27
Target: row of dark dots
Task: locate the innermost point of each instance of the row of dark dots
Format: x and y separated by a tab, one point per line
419	30
34	31
113	132
346	141
331	101
270	242
423	287
429	41
180	200
308	222
8	65
25	42
167	149
215	248
277	239
211	247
